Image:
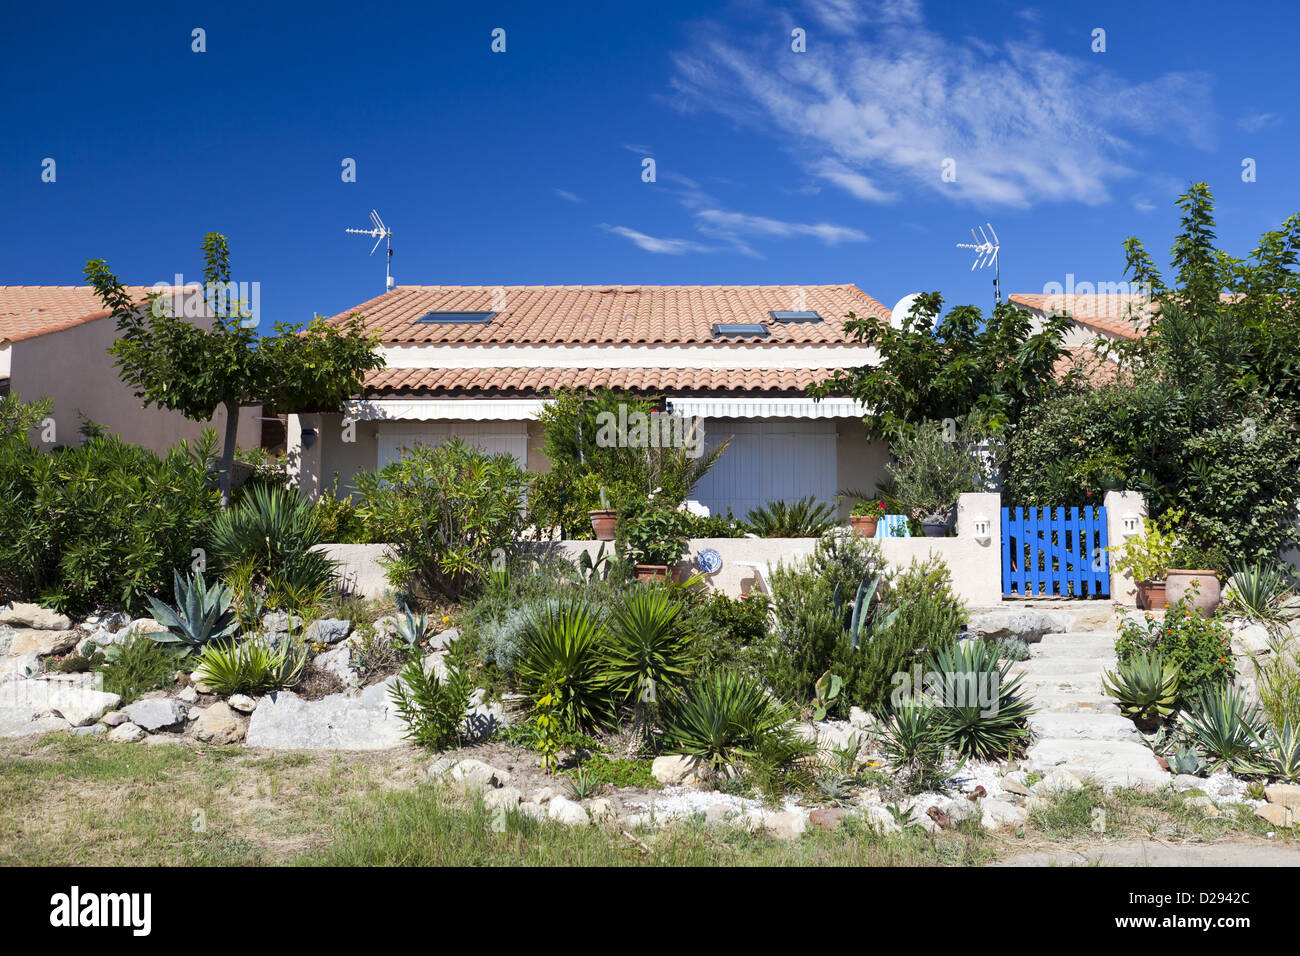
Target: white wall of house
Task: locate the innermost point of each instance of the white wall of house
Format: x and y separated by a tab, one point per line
73	368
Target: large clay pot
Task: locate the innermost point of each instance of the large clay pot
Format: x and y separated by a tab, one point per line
865	525
657	572
1151	595
1178	582
602	522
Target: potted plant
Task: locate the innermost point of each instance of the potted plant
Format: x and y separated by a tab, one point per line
931	470
866	516
654	542
1146	557
1195	571
604	519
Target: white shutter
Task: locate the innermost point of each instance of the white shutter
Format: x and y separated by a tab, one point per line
491	437
768	461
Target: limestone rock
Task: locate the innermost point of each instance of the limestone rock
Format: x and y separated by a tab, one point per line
348	721
602	810
30	640
503	798
827	818
127	733
156	713
477	775
1276	814
328	630
787	826
338	661
115	718
997	815
218	725
20	667
188	695
567	812
678	770
242	703
1283	794
1028	626
1251	639
19	615
72	697
91	730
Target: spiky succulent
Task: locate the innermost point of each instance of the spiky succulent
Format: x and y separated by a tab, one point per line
202	614
1146	685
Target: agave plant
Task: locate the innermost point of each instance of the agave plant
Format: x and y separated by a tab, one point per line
825	691
1188	760
913	739
727	717
1256	590
984	712
1227	728
805	518
861	619
1146	686
412	629
1282	753
649	652
202	614
564	648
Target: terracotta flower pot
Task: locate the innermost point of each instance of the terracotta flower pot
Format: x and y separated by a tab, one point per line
1151	595
602	522
864	525
657	572
1178	583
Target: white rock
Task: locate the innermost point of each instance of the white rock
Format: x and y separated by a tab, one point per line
880	819
1057	781
997	814
242	703
677	770
504	798
188	695
602	810
156	713
218	725
788	825
20	667
34	616
566	811
73	697
127	733
355	721
477	775
115	718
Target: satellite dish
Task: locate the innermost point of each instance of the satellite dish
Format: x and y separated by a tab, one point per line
904	305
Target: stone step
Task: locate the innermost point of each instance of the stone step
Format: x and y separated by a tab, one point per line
1070	637
1111	763
1073	650
1083	725
1041	668
1064	702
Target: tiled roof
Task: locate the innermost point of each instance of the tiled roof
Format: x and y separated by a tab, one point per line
1096	369
596	315
27	311
1112	314
536	381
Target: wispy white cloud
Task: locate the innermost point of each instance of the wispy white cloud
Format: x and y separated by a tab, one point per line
639	149
1255	121
670	247
568	196
724	223
881	100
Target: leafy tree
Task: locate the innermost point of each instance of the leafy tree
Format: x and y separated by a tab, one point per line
174	364
933	368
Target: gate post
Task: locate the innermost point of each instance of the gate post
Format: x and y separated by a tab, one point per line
1123	510
979	523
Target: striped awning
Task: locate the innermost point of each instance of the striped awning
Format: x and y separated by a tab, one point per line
526	409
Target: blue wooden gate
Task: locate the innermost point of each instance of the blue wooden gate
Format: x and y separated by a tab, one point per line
1054	553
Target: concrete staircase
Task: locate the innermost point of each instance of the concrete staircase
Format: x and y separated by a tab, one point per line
1078	727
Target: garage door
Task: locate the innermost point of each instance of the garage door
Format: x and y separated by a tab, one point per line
491	437
768	461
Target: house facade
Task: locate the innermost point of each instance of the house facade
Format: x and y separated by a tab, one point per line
54	343
480	362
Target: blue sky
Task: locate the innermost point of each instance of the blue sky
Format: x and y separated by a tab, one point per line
526	166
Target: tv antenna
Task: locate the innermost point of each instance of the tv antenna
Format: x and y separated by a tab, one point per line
986	253
380	233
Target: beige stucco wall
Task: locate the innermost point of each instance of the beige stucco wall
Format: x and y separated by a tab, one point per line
860	464
73	368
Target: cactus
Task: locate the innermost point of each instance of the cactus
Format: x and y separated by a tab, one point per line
825	691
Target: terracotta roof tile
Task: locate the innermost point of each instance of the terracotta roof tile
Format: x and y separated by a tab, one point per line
1112	314
536	315
27	311
537	381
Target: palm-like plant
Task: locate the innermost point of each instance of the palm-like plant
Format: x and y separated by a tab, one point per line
244	667
1146	686
649	652
805	518
984	713
727	716
1227	728
274	530
913	738
1282	752
563	655
1257	589
201	614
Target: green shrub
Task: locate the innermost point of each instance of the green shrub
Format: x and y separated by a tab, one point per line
730	631
251	666
563	657
1199	648
201	613
137	666
271	532
654	535
99	524
805	518
448	512
913	739
340	521
984	713
432	709
727	717
933	466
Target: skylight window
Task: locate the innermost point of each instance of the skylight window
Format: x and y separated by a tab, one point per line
796	316
741	330
456	318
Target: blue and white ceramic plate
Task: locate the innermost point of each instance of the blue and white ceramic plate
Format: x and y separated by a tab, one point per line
708	561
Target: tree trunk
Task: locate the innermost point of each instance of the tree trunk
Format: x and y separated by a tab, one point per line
228	450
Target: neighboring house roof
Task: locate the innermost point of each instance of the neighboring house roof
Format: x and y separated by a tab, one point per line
1096	369
27	311
1109	314
613	315
535	381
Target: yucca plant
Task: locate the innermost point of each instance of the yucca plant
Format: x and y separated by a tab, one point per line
985	713
242	667
649	652
1146	686
913	738
727	717
1256	590
563	655
202	614
274	529
1227	728
805	518
1282	753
